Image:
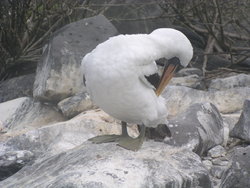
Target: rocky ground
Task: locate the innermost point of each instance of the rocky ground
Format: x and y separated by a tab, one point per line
44	129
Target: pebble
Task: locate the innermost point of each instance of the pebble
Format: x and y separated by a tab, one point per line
217	151
217	171
208	164
220	162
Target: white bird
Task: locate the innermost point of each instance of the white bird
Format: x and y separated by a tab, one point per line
118	75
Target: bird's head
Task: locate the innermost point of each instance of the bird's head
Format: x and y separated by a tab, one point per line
176	48
173	43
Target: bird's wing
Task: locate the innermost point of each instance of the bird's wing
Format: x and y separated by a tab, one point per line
83	67
151	81
149	75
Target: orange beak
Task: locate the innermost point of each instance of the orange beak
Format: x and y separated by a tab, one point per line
168	73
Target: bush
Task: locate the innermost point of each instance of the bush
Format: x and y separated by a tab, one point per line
27	24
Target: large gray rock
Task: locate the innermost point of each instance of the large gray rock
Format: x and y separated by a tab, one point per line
64	158
11	162
199	128
52	139
16	87
238	174
179	98
231	119
192	81
76	104
189	71
25	112
217	151
58	73
127	20
240	80
55	138
242	128
107	165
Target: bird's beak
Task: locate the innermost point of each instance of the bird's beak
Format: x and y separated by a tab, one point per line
168	73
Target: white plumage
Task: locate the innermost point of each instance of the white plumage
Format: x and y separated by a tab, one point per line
115	74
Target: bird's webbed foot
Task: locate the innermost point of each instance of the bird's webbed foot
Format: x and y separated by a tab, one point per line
111	138
129	143
104	138
133	144
123	140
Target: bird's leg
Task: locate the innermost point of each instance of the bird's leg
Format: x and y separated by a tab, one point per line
124	129
111	138
124	140
133	144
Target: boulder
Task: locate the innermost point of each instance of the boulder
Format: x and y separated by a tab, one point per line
231	119
217	151
11	162
63	153
58	72
238	174
127	20
192	81
189	71
216	61
242	128
25	112
16	87
239	80
55	138
213	63
52	139
245	63
199	128
179	98
76	104
107	165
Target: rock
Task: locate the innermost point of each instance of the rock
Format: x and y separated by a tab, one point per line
73	106
240	80
25	112
242	128
107	165
199	128
231	119
217	61
217	151
217	171
214	61
55	138
192	81
179	98
61	149
220	162
238	175
189	71
129	21
245	63
13	161
58	73
208	164
16	87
